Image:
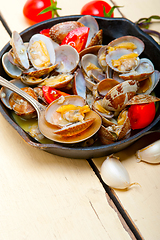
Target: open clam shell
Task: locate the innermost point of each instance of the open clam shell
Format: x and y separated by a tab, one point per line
128	64
41	51
59	81
79	84
5	93
128	42
104	86
67	59
75	132
12	70
54	117
89	62
19	50
148	85
144	70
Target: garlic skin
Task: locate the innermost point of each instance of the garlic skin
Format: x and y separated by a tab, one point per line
114	173
150	154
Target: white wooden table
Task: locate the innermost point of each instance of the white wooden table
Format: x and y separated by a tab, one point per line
44	196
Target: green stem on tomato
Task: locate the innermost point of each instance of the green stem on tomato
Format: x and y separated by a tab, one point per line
53	8
110	12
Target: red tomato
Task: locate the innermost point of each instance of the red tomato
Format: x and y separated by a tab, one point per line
141	115
51	94
45	32
32	8
96	8
77	38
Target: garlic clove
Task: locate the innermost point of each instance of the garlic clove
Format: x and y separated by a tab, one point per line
114	173
150	154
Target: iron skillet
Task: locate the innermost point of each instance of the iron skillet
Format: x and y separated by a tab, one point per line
112	28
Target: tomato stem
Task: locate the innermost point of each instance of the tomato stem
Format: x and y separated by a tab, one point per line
53	8
110	12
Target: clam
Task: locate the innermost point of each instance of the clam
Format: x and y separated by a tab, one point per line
117	131
104	86
57	81
31	81
142	98
127	42
21	106
71	116
19	51
122	60
90	22
89	63
59	31
79	84
16	103
143	71
5	93
147	86
102	57
12	70
107	116
118	96
41	51
67	59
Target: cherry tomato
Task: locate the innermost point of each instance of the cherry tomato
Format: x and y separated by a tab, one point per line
47	8
45	32
141	115
51	94
97	8
77	38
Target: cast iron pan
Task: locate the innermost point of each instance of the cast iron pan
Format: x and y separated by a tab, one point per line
112	28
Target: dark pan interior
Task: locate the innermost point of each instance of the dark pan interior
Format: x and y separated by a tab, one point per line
112	28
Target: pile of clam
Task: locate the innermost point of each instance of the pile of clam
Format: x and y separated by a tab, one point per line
103	79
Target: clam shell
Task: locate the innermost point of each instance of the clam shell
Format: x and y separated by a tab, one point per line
104	86
37	57
142	98
59	81
21	106
5	93
79	84
32	72
12	70
144	70
87	60
75	129
115	55
97	39
105	136
53	117
90	22
118	96
59	31
102	53
107	117
67	59
147	86
19	50
139	43
54	120
93	50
